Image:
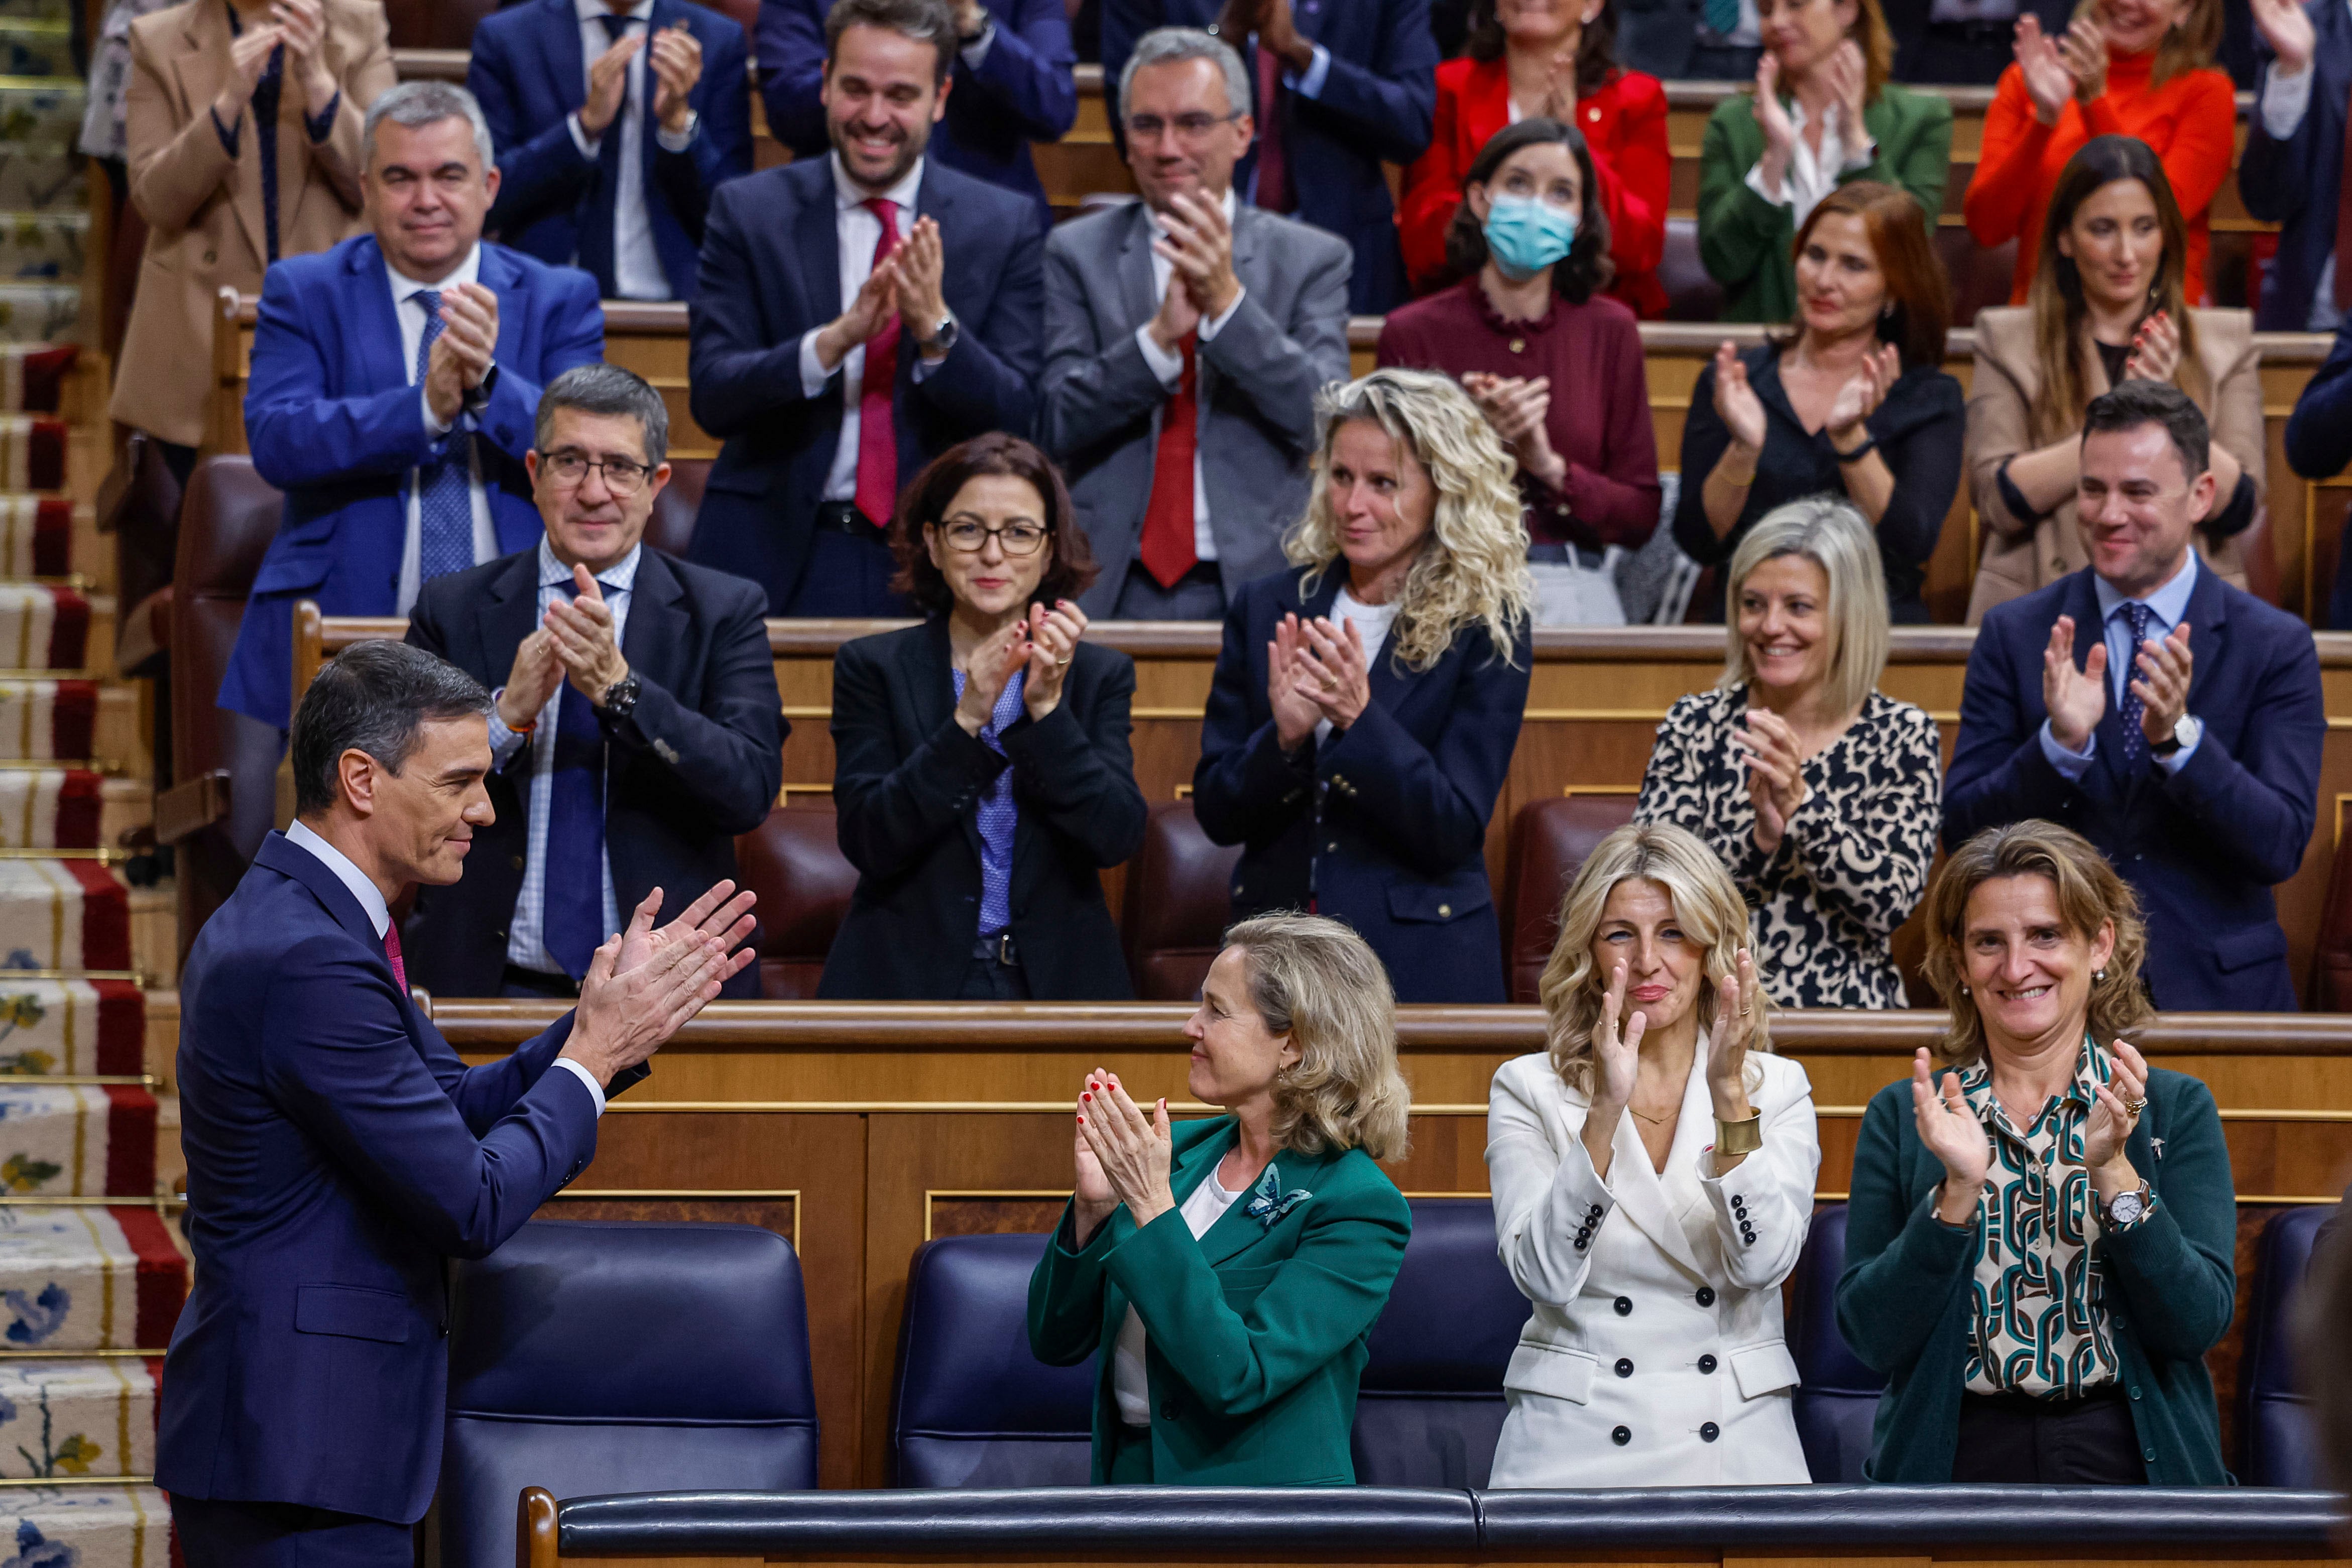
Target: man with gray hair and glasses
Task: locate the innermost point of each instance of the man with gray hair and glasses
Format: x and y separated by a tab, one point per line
637	727
1185	338
393	384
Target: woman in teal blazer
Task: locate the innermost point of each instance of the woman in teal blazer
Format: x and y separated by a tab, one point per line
1230	1269
1768	156
2040	1249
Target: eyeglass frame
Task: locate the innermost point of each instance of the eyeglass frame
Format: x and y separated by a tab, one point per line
547	461
1134	126
1044	537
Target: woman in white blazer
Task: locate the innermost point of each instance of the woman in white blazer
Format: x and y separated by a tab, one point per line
1652	1176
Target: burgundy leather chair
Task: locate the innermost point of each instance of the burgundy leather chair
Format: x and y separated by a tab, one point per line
1980	276
794	862
1691	294
1179	902
139	504
2331	986
671	528
218	758
434	24
1549	842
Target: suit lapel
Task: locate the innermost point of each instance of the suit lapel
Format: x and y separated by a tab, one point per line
202	67
656	634
1641	1194
926	670
566	57
375	327
1237	1230
816	235
1142	302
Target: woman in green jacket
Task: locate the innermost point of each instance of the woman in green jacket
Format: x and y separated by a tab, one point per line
2039	1249
1230	1269
1822	113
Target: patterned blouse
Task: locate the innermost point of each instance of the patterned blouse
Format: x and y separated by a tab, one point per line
2040	1325
1850	866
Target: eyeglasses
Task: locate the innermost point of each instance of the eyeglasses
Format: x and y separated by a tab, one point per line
568	469
1017	539
1188	126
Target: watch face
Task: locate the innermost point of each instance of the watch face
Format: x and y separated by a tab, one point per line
2127	1207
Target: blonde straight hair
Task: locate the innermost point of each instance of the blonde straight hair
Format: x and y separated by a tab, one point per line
1316	980
1707	904
1828	531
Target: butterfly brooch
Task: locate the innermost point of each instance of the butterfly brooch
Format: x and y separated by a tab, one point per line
1268	1203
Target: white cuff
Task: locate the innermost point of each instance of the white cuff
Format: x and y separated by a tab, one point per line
814	375
1309	82
1756	183
976	53
2284	99
437	428
684	138
2179	759
595	1088
1208	329
504	742
2071	765
580	139
1167	367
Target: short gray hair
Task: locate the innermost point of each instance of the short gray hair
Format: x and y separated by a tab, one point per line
610	391
416	103
374	699
1167	45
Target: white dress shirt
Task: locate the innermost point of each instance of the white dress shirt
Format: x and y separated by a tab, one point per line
526	935
379	916
2165	606
858	231
1130	1381
1169	369
636	266
410	311
1811	176
2284	99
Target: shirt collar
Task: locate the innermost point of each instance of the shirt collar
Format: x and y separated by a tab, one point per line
591	9
620	579
466	271
334	860
2169	603
2091	1070
847	193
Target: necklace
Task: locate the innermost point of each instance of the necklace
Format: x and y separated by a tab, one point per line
1656	1120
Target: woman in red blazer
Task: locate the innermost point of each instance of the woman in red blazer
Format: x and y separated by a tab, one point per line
1531	58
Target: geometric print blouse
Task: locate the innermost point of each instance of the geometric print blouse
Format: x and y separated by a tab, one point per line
2039	1323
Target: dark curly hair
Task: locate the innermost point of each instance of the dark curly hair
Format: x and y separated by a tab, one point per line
923	503
1586	270
1596	46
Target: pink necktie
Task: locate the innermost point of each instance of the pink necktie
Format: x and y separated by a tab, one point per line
877	431
391	951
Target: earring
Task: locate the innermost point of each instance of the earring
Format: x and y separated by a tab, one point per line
1964	990
2099	975
1886	312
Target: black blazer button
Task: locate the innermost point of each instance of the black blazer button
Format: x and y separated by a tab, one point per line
1706	1295
1624	1306
1621	1436
1706	1364
1168	1410
515	861
1624	1366
1710	1433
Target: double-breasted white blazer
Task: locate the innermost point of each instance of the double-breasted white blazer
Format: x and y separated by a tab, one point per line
1655	1353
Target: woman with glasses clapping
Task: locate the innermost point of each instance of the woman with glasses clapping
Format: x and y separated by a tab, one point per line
982	774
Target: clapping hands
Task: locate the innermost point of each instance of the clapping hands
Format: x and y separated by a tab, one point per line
1776	774
1123	1155
1315	670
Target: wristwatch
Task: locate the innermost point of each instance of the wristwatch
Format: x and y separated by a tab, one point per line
620	697
2129	1208
943	338
2185	731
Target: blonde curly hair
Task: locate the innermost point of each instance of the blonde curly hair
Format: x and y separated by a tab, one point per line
1314	979
1475	569
1708	905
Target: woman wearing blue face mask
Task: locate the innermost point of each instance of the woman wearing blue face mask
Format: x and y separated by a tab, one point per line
1552	362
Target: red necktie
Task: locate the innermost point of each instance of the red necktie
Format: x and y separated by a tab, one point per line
1167	546
391	951
1272	165
2344	231
877	431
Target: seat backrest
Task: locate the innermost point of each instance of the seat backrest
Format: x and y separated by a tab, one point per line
1980	276
1431	1404
972	1406
2332	982
794	862
1549	841
140	506
1691	294
435	23
2274	1422
670	529
593	1358
1178	903
1838	1400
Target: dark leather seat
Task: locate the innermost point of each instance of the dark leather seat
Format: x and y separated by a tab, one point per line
2274	1422
972	1406
590	1357
2332	964
140	506
435	23
1549	841
1178	903
1979	277
1838	1400
221	761
1691	294
1430	1403
671	528
794	862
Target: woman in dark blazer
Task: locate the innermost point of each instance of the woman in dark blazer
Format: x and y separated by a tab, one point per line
1367	698
982	775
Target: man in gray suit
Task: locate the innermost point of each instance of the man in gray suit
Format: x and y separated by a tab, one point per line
1185	338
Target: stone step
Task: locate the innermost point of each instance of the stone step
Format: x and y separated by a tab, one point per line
60	1418
85	1278
76	1140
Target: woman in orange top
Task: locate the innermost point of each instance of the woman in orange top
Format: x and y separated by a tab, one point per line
1547	57
2126	67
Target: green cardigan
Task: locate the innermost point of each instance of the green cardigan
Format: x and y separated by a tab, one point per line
1255	1333
1745	241
1904	1301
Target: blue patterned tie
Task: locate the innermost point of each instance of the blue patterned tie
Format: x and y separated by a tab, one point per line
445	497
2133	709
574	919
601	213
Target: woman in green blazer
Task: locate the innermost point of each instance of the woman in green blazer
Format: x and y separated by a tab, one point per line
1822	113
1230	1269
2039	1250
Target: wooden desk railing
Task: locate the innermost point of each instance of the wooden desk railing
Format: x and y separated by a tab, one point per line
2305	517
861	1130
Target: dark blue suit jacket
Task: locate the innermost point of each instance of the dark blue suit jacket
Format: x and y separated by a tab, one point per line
332	420
1378	103
770	274
1389	819
2203	847
338	1150
528	72
1023	91
2298	181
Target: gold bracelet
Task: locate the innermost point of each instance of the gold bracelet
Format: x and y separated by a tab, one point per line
1740	1137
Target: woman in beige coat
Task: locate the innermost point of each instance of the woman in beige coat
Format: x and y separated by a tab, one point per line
2106	306
202	75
